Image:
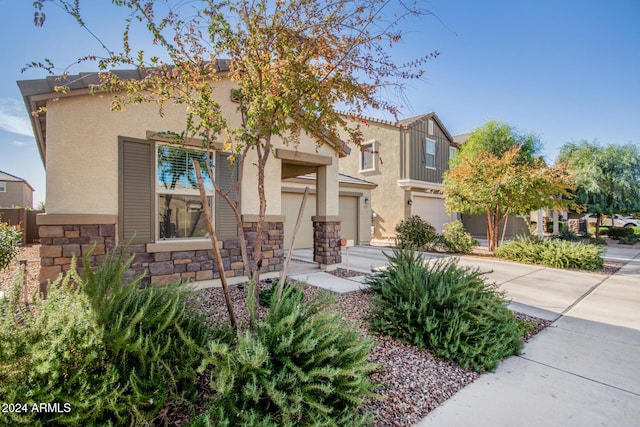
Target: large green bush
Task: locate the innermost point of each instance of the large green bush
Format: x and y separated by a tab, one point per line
451	311
552	253
617	233
10	240
151	338
115	353
456	239
416	233
54	353
302	366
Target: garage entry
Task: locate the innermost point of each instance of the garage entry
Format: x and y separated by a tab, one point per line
432	210
304	239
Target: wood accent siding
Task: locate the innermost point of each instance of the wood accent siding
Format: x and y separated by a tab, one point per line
225	220
417	170
136	190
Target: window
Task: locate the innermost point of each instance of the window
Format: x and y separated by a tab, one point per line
3	187
429	151
180	211
368	157
431	127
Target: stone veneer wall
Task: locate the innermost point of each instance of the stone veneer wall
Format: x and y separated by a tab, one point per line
59	243
326	242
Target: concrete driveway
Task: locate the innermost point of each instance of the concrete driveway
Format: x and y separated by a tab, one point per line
584	370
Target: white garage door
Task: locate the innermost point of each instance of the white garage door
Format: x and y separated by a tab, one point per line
432	210
304	239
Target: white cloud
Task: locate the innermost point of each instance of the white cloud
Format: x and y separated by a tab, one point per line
14	118
19	143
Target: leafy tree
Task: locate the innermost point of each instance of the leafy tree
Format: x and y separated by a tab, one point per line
294	62
607	178
498	174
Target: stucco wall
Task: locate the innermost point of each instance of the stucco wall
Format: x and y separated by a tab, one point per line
17	194
82	152
388	199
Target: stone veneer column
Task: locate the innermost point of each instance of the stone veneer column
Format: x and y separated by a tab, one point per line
326	241
272	242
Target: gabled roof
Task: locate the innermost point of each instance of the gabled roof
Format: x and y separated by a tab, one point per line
408	122
4	176
462	138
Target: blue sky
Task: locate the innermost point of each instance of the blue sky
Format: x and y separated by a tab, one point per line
563	69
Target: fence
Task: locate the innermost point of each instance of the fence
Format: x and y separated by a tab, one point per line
25	218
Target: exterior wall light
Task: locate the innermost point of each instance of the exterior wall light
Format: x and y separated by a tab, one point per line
409	202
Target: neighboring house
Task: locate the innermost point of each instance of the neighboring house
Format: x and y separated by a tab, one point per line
110	180
406	159
15	192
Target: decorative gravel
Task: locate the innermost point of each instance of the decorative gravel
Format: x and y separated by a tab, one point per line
7	276
412	382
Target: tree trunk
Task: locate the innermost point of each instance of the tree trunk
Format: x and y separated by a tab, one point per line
214	243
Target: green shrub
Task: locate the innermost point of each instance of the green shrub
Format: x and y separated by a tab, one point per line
301	366
568	235
618	232
416	233
264	298
552	253
10	240
456	239
598	242
636	231
604	230
153	341
54	352
629	240
449	310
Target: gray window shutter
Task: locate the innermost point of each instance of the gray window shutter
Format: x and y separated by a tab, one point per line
136	193
225	220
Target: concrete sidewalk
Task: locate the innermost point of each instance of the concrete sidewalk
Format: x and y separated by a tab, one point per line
584	370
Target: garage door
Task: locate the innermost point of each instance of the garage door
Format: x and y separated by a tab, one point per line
304	239
349	214
432	210
290	208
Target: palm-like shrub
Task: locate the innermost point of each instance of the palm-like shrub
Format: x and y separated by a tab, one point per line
301	366
10	239
416	233
451	311
552	253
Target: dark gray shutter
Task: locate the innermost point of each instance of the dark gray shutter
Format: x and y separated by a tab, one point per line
226	225
136	192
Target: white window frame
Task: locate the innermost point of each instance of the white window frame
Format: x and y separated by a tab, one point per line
3	187
427	154
374	156
159	190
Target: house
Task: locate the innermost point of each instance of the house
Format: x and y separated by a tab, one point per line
15	192
113	177
406	160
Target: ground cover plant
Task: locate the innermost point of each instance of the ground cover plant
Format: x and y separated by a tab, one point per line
451	311
553	253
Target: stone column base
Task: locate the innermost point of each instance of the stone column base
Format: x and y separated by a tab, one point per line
326	241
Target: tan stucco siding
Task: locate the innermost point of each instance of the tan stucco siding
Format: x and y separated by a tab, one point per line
16	194
388	199
82	152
